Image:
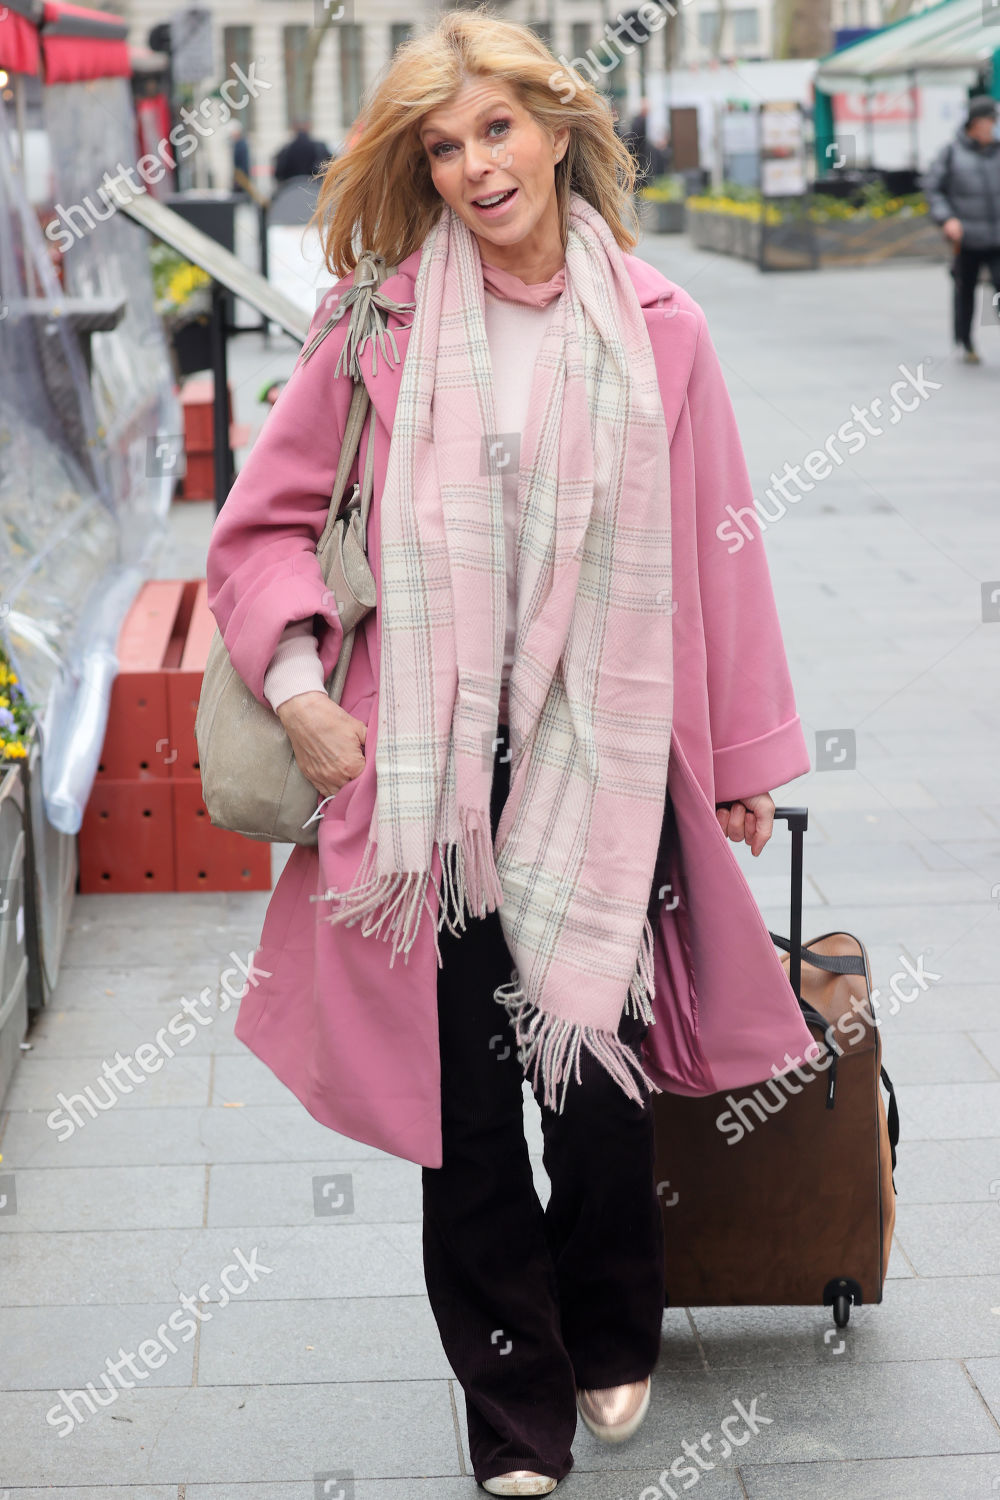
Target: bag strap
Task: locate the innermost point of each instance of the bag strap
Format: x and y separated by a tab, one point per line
364	300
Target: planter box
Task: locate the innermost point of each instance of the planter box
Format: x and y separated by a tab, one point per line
50	883
838	242
662	218
726	234
13	947
869	241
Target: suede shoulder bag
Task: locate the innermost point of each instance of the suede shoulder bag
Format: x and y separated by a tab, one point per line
250	780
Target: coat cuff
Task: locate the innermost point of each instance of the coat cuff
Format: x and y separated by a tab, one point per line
760	765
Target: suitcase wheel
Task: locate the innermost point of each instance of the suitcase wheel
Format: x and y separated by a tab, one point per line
841	1310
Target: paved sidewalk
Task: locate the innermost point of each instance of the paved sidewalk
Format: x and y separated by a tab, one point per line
323	1374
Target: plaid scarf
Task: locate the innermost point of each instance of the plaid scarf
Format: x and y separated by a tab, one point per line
591	685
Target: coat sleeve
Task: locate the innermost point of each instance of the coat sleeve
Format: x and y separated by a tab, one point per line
757	739
262	571
935	184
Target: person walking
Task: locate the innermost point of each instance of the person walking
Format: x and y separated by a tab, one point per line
963	194
569	696
302	156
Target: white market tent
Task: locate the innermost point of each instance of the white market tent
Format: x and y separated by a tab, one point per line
952	37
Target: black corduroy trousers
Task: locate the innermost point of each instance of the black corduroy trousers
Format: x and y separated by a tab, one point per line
533	1304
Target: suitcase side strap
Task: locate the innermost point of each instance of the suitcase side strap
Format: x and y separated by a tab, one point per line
892	1118
844	963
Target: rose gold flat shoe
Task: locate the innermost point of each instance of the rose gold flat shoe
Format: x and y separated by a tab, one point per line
615	1413
520	1482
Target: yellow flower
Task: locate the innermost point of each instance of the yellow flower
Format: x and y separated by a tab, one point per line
4	701
12	751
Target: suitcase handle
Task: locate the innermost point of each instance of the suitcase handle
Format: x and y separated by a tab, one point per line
797	819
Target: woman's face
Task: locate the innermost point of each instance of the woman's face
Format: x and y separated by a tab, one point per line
483	144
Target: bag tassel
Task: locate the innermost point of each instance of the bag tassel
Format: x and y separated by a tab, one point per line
364	301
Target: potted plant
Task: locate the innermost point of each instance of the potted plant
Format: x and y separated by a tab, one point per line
662	204
182	298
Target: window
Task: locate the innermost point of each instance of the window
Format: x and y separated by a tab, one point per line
579	34
399	32
746	28
237	44
350	72
543	30
295	40
708	22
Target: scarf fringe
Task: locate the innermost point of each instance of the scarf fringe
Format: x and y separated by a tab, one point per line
549	1048
390	906
639	1000
482	883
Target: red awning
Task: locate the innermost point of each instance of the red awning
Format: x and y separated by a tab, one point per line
79	44
19	51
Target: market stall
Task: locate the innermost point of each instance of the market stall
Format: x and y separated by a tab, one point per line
85	387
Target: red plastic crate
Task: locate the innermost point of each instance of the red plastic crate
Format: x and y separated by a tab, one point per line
212	859
145	826
197	404
126	840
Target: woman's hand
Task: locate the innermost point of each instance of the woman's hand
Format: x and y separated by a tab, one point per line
751	820
952	230
328	743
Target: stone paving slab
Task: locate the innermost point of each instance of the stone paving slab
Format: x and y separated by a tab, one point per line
54	1200
950	1239
936	1057
948	1171
986	1374
50	1347
949	1111
151	1137
971	1476
139	985
918	1319
99	1030
148	1265
93	945
179	1082
381	1191
935	1410
234	1434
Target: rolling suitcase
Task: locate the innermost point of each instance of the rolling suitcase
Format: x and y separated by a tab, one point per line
782	1193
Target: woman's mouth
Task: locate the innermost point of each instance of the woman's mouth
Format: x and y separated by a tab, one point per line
492	204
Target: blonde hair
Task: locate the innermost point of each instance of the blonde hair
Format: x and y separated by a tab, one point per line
379	194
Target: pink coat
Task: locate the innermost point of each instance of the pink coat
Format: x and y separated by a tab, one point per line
356	1041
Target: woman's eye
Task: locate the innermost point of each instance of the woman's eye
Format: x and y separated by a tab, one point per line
446	146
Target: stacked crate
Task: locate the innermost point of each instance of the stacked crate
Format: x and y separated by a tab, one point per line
146	827
197	403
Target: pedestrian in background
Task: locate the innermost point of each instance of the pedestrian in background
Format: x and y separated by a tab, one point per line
241	161
302	156
498	840
963	193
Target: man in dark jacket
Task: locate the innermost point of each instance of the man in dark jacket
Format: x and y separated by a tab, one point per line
963	193
302	157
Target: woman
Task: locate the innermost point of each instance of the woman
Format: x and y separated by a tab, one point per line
553	445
